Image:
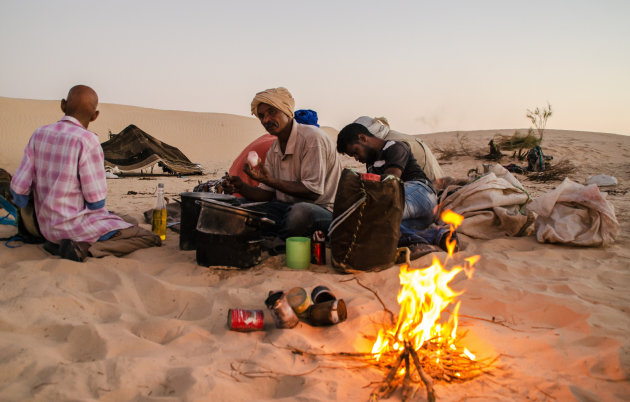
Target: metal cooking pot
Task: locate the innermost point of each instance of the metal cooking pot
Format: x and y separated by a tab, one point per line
190	215
223	219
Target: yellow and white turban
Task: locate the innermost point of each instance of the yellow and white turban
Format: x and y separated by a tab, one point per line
280	98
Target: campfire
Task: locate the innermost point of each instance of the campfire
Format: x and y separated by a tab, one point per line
424	346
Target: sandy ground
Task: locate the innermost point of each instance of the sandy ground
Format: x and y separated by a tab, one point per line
152	325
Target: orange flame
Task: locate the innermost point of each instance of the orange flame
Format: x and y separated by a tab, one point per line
423	296
453	220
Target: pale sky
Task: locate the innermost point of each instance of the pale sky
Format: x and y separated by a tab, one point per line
426	65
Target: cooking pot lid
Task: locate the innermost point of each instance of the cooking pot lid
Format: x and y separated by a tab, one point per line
211	196
222	206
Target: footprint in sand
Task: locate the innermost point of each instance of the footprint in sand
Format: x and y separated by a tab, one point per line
289	386
550	314
107	312
179	382
158	330
562	289
102	285
85	344
165	300
55	333
103	280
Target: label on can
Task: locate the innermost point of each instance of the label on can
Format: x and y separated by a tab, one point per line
298	299
318	253
318	248
245	320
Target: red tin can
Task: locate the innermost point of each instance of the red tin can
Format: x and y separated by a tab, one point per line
318	248
245	320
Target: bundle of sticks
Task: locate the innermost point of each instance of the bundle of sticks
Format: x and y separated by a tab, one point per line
434	361
390	384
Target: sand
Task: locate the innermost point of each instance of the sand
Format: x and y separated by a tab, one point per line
152	325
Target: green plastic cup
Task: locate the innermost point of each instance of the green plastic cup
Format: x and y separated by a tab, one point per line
298	252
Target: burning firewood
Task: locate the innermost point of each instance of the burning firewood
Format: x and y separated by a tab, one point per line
419	337
428	382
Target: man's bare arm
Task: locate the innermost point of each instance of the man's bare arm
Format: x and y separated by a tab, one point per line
293	188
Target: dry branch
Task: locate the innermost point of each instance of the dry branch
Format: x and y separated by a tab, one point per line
390	383
426	380
556	172
391	314
453	366
266	372
406	384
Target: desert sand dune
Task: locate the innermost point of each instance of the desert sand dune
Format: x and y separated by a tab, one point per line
152	325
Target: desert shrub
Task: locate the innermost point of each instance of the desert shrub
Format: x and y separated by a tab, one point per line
539	117
517	141
458	147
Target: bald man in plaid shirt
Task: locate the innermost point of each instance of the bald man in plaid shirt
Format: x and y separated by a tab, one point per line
63	167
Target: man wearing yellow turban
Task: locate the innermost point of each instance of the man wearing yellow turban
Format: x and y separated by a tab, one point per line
301	171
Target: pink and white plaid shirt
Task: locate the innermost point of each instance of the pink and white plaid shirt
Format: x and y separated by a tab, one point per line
63	163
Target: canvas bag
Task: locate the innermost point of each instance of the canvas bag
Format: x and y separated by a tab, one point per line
365	229
26	222
28	227
24	218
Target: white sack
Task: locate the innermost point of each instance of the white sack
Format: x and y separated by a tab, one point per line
575	214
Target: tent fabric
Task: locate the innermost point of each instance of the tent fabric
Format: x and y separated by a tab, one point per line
133	149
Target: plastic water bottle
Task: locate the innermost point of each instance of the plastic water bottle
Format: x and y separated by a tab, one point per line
158	222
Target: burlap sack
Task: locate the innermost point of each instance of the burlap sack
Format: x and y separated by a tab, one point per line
575	214
493	206
366	223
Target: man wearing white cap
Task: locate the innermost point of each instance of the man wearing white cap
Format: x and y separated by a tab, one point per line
385	157
379	127
301	171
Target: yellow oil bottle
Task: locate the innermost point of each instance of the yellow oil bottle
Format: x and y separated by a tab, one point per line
158	221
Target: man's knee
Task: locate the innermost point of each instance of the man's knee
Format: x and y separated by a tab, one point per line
305	218
299	220
420	202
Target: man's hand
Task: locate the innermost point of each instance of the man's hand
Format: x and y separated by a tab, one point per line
259	174
293	188
396	171
233	184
